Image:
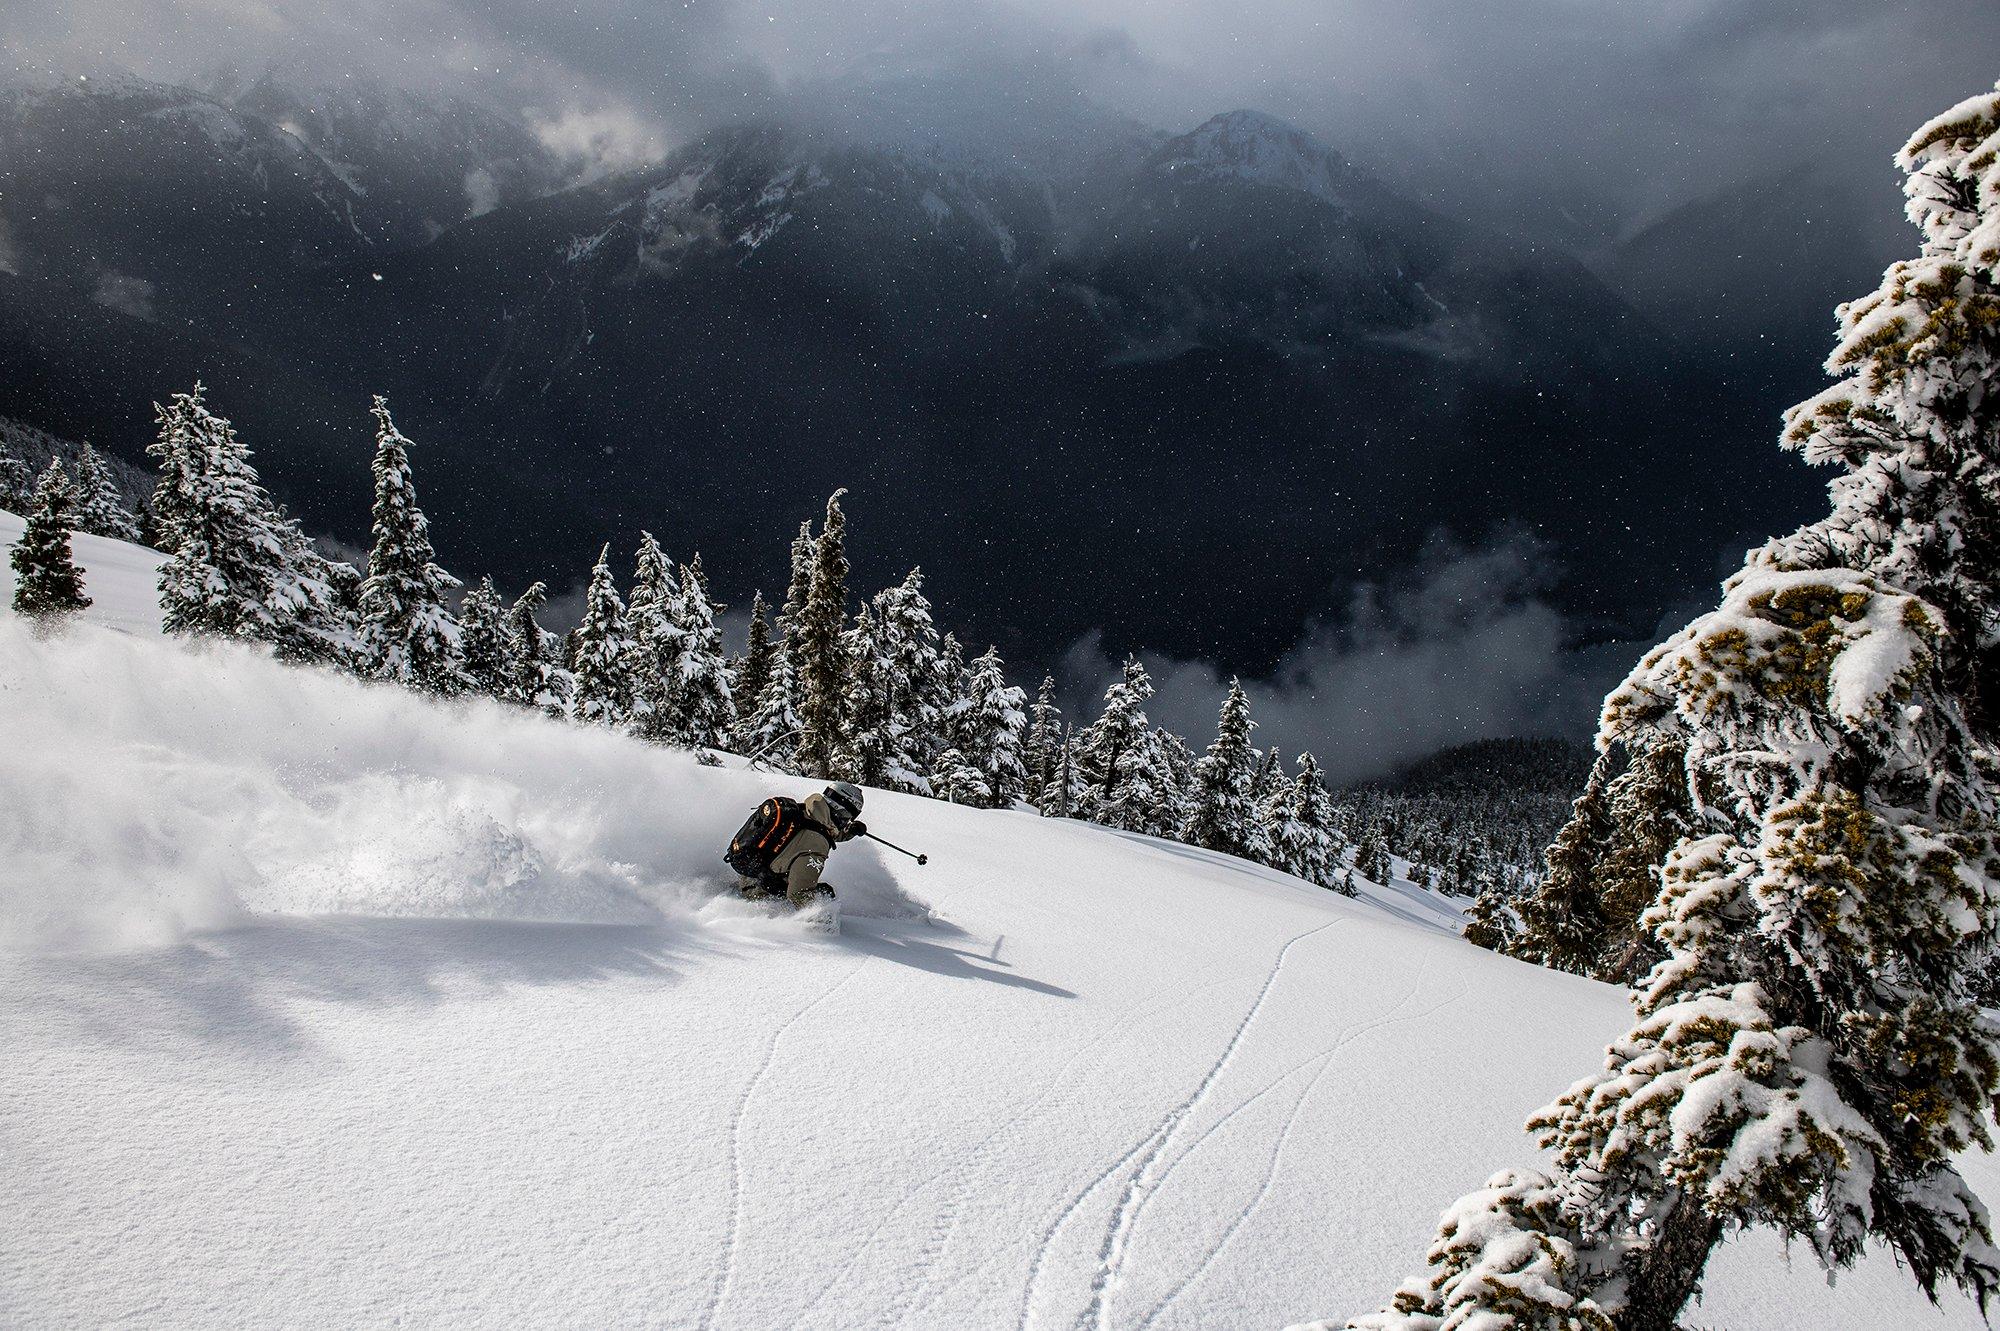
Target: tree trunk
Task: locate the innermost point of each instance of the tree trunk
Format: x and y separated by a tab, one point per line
1667	1272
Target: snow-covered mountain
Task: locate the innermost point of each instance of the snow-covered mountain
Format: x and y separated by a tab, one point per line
325	1005
1048	330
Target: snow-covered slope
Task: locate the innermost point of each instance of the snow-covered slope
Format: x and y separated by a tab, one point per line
322	1005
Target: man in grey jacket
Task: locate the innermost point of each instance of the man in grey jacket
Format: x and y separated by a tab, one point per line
832	816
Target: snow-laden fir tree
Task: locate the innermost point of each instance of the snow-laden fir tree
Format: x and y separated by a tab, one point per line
820	662
653	624
769	734
753	668
958	779
100	508
1811	1053
912	664
949	697
539	680
863	751
1304	841
1177	764
408	634
16	489
1226	815
1604	868
1371	855
1038	755
1101	748
1063	796
601	653
483	647
47	584
798	590
994	727
705	707
236	566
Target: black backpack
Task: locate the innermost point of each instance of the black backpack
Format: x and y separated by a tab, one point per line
765	834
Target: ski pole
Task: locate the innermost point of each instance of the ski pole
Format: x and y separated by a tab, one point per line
920	859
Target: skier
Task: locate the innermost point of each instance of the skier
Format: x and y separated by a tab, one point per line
783	847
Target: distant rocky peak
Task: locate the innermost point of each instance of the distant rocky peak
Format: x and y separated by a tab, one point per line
1255	148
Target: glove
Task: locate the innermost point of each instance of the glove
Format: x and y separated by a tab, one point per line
856	828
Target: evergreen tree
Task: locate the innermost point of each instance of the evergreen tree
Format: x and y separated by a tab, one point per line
753	668
911	665
950	698
47	583
798	591
994	726
601	653
1226	815
1063	796
959	780
407	633
862	755
1044	738
236	566
1810	1054
483	645
1304	841
820	660
705	709
100	509
1119	728
654	625
1177	766
539	680
1146	797
16	494
771	732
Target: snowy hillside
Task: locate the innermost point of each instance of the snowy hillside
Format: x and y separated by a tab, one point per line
323	1005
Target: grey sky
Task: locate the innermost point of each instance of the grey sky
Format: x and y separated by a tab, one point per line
1517	105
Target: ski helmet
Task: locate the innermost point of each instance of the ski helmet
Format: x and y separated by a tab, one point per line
845	797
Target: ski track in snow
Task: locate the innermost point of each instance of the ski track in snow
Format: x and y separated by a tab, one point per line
1147	1150
1242	1217
726	1270
970	1166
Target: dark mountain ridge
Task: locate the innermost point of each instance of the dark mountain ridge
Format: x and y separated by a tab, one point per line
1091	390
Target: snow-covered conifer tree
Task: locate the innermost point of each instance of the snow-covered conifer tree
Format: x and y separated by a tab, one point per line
797	592
1304	839
1226	817
100	509
408	635
863	751
1063	796
16	491
1044	736
753	668
47	584
1177	764
1811	1053
539	680
601	653
705	708
236	566
912	666
959	780
769	734
994	725
820	660
1119	728
486	657
653	624
949	697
